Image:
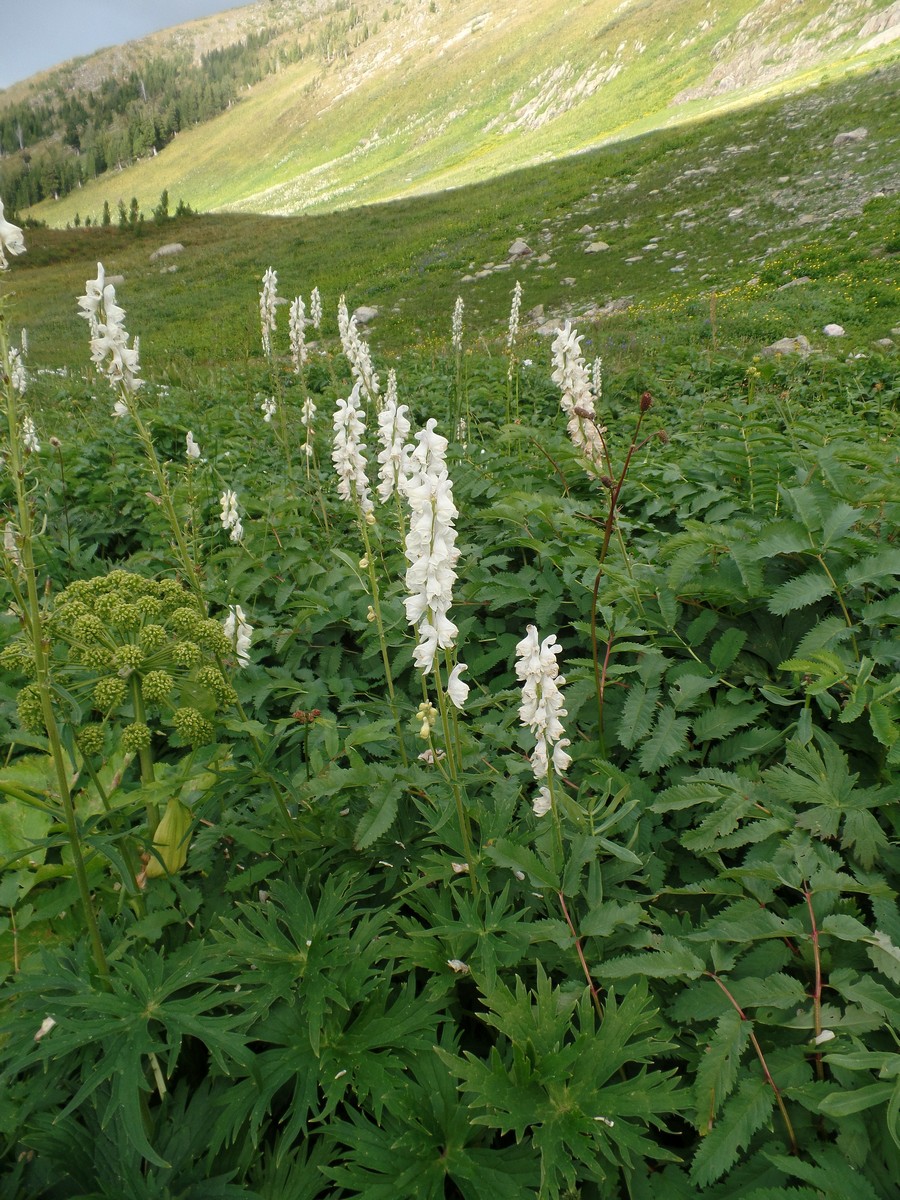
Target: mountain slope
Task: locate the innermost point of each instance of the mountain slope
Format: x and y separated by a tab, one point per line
422	95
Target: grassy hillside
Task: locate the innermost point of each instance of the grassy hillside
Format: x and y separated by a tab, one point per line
417	96
736	207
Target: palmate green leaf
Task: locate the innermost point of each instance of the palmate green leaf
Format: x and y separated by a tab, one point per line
799	592
745	1113
667	740
718	1068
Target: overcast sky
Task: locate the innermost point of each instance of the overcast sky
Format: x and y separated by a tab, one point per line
37	34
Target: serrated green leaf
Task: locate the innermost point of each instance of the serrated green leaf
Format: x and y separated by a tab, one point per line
799	592
379	817
718	1068
668	738
723	719
637	714
727	648
745	1113
520	858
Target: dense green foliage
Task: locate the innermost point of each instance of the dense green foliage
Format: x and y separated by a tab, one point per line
692	992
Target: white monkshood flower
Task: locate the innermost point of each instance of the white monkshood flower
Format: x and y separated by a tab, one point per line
193	450
10	545
543	801
576	399
29	436
238	633
357	353
11	239
542	708
514	315
109	341
17	374
268	408
297	329
597	378
120	409
430	547
315	308
267	298
307	416
458	324
229	517
393	430
456	689
348	454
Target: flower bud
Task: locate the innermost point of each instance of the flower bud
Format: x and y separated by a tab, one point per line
646	402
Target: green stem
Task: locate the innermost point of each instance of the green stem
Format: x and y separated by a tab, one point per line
385	658
465	829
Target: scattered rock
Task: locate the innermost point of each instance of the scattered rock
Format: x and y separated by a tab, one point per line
550	328
852	135
885	343
832	330
364	314
795	282
895	332
165	251
536	313
596	247
612	306
467	279
635	258
115	280
754	282
586	229
484	274
519	249
543	258
569	281
734	213
788	345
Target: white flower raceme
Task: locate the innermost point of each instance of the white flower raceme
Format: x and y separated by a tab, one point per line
597	378
29	436
315	308
542	708
12	240
307	416
229	516
576	399
514	315
238	633
297	329
458	324
269	409
193	450
430	547
357	353
393	430
17	374
267	298
348	454
109	341
24	343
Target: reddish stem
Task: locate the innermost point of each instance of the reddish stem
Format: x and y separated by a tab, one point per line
595	995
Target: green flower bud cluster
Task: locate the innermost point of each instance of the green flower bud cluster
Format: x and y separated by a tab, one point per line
135	737
192	726
120	640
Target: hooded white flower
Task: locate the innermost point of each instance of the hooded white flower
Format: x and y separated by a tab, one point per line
11	545
238	633
430	547
29	436
457	337
17	375
357	353
109	341
297	329
348	454
267	298
12	240
456	689
229	516
542	707
269	409
193	450
315	308
393	430
576	399
514	315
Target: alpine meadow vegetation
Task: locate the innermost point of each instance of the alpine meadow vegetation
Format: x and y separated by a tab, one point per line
466	773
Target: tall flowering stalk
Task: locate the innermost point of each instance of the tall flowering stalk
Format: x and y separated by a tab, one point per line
315	309
577	400
541	711
393	458
511	337
432	554
111	353
456	338
18	551
267	299
357	354
297	332
349	458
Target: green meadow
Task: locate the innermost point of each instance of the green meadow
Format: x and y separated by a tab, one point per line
514	814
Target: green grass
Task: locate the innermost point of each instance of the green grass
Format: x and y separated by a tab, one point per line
775	162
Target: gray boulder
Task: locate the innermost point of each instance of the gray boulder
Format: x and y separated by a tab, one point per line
166	251
852	135
788	345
